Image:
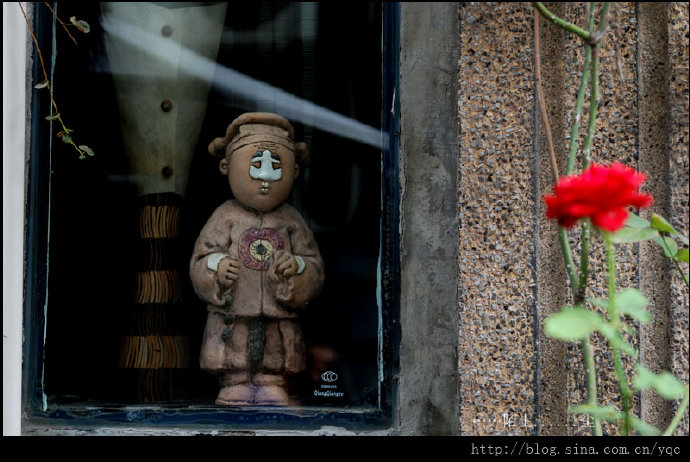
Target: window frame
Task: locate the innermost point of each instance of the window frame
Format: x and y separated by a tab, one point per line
193	417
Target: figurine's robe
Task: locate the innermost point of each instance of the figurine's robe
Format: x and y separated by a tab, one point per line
259	292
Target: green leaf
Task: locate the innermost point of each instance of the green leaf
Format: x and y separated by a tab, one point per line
86	149
660	223
630	234
64	137
635	221
669	245
643	428
682	255
600	302
599	412
80	24
666	384
631	302
54	116
616	340
572	323
43	84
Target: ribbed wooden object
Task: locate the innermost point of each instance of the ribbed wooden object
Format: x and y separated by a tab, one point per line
156	346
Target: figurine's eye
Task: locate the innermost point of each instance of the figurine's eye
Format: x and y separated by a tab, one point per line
275	157
256	160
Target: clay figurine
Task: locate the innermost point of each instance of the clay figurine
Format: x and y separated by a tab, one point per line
256	265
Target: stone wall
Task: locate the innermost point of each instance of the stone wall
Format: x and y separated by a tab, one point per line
513	379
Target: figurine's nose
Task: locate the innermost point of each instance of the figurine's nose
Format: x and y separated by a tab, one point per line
265	171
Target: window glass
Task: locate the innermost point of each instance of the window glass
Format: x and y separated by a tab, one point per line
147	90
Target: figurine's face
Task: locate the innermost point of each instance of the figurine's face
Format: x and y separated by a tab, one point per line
261	174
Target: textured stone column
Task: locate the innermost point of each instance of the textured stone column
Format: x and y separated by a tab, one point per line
678	166
654	271
497	344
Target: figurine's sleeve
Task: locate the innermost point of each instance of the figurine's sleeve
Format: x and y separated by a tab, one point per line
298	290
212	245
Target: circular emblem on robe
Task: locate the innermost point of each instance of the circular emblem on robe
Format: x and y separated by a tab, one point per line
257	246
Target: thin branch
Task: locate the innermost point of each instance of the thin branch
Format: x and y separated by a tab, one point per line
591	374
585	234
40	56
579	102
679	414
57	116
562	233
560	22
614	319
62	23
593	108
542	102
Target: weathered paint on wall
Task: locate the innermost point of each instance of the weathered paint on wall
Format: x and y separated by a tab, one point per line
427	402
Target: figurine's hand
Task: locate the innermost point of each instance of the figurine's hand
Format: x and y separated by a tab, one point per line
228	271
285	264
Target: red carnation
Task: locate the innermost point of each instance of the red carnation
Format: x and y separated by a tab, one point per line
601	193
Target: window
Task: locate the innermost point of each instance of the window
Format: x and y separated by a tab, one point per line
102	291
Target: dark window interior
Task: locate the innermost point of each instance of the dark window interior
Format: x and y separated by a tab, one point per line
93	253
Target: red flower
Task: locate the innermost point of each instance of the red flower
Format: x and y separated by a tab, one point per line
601	193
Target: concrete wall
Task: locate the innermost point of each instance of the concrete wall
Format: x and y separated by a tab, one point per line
513	379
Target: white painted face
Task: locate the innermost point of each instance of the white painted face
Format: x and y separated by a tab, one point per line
266	170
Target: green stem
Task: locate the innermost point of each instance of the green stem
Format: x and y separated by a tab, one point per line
667	251
594	96
615	321
585	227
593	108
584	259
561	22
679	414
579	103
569	263
590	372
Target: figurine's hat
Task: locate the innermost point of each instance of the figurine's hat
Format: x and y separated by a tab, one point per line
252	127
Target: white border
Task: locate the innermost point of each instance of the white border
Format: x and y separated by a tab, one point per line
14	60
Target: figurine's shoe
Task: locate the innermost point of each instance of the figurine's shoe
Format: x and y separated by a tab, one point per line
270	395
235	395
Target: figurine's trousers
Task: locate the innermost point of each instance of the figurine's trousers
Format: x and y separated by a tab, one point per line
258	345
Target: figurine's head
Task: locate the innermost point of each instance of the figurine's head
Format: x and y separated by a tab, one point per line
260	158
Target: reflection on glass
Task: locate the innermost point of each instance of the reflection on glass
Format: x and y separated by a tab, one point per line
318	65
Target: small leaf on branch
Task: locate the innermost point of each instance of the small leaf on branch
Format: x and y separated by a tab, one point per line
616	340
631	302
660	223
54	116
631	234
600	302
43	84
86	149
572	323
682	255
599	412
635	221
666	384
80	24
669	245
64	136
643	428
